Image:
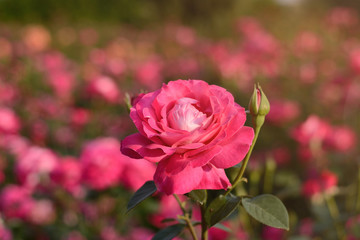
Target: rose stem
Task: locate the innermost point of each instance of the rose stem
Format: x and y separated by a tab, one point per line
357	203
204	227
270	167
334	213
245	162
186	217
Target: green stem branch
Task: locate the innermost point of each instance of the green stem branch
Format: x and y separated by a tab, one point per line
357	203
335	214
186	217
204	227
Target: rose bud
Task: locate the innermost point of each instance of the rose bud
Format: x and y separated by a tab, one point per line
259	106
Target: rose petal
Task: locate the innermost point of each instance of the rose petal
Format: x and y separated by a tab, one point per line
137	146
213	178
203	158
234	149
180	183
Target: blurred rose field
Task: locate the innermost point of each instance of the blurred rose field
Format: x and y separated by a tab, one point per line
67	81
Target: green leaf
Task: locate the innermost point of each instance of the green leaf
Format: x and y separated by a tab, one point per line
268	210
169	232
222	227
198	196
141	194
220	208
165	220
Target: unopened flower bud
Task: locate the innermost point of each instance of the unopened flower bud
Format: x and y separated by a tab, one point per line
259	106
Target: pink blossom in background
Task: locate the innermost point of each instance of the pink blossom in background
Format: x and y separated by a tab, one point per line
305	154
187	66
307	42
62	82
306	227
39	132
308	73
352	228
68	174
65	136
283	111
311	187
42	212
324	181
15	144
313	129
142	234
35	164
136	172
328	180
270	233
106	88
193	130
281	155
342	17
58	74
102	163
341	138
260	47
79	117
110	233
183	35
149	73
90	211
8	93
16	202
217	234
5	234
9	121
355	60
116	67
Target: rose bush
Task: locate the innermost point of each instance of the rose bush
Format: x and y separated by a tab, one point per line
193	130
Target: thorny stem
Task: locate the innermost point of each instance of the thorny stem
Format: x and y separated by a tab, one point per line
186	217
245	162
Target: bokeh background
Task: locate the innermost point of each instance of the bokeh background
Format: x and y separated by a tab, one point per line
68	70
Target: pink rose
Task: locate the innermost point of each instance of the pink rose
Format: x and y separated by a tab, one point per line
102	163
193	130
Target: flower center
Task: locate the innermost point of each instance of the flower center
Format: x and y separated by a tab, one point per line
185	116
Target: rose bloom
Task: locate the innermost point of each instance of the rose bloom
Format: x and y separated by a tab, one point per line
105	88
193	130
313	129
5	234
67	174
42	212
283	111
325	181
9	121
136	172
342	139
102	163
15	202
35	163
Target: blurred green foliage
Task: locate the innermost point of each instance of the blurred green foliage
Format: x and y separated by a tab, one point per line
140	12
